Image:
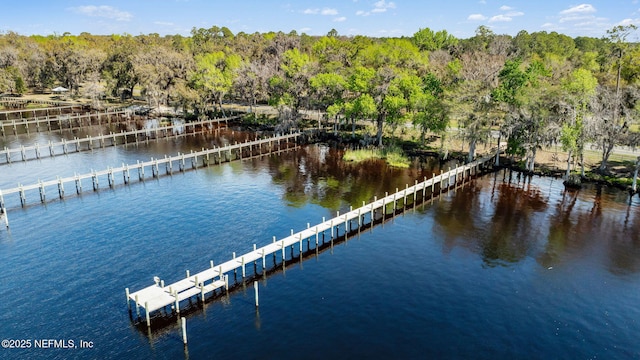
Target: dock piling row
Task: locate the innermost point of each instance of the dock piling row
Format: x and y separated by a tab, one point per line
209	280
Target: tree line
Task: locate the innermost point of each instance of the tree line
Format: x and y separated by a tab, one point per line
533	89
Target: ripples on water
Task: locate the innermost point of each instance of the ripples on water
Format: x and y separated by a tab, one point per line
505	267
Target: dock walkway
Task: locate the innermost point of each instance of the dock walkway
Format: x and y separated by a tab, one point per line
33	152
202	158
43	111
64	121
160	295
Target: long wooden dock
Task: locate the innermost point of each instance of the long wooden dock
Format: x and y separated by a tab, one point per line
34	152
44	111
10	101
159	296
64	121
202	158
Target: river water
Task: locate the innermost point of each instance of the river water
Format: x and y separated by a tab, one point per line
504	267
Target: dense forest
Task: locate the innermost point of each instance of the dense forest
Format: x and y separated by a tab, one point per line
537	89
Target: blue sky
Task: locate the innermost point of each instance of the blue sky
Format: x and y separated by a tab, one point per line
348	17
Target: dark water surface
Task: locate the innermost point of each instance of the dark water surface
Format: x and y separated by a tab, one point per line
506	267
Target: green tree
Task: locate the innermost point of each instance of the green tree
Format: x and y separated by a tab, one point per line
428	40
579	87
214	75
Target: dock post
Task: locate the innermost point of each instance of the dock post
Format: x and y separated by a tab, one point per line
137	306
110	177
183	321
8	154
316	236
243	269
78	184
404	196
140	170
37	151
42	192
6	219
146	310
332	228
433	183
211	263
125	173
264	260
23	152
373	209
226	282
126	291
175	294
441	180
395	203
188	274
60	188
94	178
384	205
220	272
255	287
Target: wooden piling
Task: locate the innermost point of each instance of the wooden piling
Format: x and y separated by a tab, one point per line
183	321
255	287
146	308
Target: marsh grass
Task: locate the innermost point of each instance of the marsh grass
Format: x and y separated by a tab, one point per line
394	156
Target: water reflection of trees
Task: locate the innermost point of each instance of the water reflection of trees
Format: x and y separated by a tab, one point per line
499	225
597	227
506	219
317	174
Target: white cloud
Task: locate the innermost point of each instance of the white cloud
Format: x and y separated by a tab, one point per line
382	6
580	9
378	7
547	25
103	11
163	23
500	18
327	11
305	29
505	8
340	19
476	17
626	22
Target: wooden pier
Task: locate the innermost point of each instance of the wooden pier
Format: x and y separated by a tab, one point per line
34	152
64	121
21	103
43	111
205	283
202	158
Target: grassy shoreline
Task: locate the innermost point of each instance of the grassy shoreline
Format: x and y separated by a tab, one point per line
394	156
